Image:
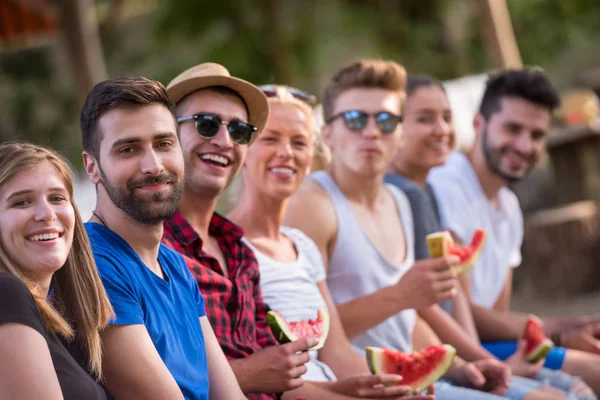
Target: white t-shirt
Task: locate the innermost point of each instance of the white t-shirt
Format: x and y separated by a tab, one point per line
463	208
291	289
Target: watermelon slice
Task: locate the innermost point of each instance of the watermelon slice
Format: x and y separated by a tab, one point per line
441	244
286	332
538	345
418	370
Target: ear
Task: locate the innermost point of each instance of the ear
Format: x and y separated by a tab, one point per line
327	134
92	168
479	124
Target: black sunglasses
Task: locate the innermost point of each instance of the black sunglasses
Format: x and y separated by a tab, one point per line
271	91
356	120
208	126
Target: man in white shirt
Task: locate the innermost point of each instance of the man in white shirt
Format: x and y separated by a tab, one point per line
471	190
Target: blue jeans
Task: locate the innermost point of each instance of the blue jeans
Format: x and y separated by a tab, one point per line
446	391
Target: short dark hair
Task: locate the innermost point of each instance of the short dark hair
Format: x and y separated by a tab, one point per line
416	82
369	74
130	92
530	84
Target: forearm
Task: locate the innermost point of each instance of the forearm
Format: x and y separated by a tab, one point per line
461	312
345	362
366	312
448	331
244	373
496	325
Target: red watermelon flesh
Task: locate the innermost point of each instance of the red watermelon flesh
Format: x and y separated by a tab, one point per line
537	344
441	244
418	370
286	332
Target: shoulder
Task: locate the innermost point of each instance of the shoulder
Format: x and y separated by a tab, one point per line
13	288
17	303
305	243
311	201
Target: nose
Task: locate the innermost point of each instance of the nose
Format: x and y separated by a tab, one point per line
442	127
371	130
44	211
284	149
222	139
151	163
524	143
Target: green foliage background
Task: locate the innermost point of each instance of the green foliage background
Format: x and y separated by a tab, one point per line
297	42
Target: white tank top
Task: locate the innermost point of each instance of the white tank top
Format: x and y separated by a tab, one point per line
357	268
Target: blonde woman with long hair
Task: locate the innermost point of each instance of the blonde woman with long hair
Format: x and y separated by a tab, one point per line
50	291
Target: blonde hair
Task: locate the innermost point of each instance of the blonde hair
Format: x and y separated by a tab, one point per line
79	307
283	96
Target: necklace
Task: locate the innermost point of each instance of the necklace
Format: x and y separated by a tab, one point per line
99	218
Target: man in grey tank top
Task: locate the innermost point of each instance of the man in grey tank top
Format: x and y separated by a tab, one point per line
364	230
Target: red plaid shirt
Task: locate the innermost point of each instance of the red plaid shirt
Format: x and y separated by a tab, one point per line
234	304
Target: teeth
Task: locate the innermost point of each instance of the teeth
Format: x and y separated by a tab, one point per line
215	158
45	236
283	170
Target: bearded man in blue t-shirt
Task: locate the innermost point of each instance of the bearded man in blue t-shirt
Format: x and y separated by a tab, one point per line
160	345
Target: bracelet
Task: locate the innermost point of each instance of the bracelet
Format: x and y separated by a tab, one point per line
556	338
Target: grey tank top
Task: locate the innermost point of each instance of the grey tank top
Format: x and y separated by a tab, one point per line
357	268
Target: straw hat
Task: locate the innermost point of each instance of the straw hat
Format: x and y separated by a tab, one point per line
212	74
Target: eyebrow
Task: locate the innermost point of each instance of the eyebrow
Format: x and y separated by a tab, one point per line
133	140
273	131
29	191
432	110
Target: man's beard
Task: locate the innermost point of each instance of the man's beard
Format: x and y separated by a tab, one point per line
492	158
151	211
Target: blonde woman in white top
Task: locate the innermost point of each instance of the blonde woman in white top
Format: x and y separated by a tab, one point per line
292	272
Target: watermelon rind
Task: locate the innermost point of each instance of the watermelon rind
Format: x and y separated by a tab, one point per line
543	348
540	351
375	361
279	327
439	244
466	265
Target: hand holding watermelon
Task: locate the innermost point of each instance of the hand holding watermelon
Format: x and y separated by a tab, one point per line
374	387
519	364
428	282
275	369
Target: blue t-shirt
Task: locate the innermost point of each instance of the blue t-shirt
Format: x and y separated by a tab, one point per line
169	308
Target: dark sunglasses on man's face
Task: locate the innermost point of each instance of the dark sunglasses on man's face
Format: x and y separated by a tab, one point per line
208	126
356	120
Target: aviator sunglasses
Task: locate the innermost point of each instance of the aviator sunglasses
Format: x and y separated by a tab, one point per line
272	91
208	126
356	120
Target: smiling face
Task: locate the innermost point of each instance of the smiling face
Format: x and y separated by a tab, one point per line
279	160
141	167
428	129
37	221
514	137
369	151
211	164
